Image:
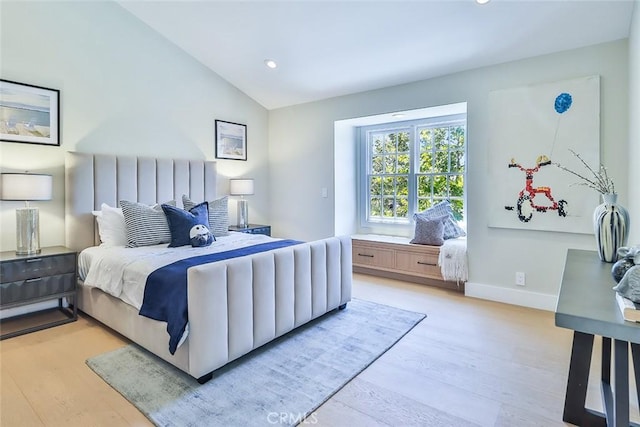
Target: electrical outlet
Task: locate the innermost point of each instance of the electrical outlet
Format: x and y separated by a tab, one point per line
520	281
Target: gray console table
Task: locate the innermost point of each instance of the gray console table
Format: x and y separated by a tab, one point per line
587	305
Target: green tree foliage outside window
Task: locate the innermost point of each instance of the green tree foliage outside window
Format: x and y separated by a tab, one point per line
438	172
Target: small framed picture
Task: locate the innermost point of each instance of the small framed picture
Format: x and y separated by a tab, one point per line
29	114
231	140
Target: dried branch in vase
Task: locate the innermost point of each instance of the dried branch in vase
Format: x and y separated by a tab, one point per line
600	180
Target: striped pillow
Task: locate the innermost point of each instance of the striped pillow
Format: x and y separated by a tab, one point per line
145	225
218	214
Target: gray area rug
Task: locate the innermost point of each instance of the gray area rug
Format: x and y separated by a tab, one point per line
277	384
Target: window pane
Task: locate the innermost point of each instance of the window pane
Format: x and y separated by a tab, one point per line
402	186
390	143
403	142
425	139
456	185
440	138
457	161
402	207
388	187
426	162
440	186
375	186
388	205
376	164
376	146
375	204
424	204
403	163
390	164
442	161
456	137
424	186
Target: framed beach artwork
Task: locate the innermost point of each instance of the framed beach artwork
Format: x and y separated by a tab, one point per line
29	114
533	129
231	140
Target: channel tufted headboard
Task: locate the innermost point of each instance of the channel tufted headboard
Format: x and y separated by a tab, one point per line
93	179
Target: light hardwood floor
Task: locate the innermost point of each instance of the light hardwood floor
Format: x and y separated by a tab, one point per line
468	363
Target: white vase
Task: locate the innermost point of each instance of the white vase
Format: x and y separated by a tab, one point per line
611	227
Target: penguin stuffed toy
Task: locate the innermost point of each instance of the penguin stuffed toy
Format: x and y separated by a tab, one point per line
200	236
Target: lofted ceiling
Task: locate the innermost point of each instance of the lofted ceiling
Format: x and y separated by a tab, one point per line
329	48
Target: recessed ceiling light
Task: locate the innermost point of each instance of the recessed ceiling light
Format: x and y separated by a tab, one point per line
270	63
482	1
397	115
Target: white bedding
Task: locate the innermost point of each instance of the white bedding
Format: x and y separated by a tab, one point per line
122	272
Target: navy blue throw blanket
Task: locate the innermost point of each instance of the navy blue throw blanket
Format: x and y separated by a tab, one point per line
165	292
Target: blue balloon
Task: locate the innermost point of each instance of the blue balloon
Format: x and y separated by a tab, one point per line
563	102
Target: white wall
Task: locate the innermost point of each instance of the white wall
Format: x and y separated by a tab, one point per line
633	201
346	179
301	156
124	89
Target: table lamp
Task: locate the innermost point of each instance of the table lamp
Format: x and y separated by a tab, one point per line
242	187
27	187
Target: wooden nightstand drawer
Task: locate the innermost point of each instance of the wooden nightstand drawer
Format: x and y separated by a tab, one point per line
36	288
21	269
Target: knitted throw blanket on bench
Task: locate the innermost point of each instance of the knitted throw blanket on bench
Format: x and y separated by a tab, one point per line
453	260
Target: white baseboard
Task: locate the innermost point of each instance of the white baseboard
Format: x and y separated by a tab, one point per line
511	296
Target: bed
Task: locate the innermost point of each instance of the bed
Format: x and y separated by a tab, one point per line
235	305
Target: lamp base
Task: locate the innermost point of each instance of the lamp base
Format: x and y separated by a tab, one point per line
34	252
27	231
243	213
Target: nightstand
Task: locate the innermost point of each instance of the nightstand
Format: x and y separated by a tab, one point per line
28	279
252	229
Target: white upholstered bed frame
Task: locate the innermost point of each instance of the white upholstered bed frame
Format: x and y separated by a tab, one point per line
235	306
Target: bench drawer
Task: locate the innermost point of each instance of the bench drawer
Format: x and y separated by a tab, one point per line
423	264
373	257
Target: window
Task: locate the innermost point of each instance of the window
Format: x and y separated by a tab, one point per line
410	166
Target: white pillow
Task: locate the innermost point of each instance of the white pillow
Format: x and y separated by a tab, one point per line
111	226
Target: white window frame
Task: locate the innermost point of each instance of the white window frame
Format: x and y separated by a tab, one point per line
364	160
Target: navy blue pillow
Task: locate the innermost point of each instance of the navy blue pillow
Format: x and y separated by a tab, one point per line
181	222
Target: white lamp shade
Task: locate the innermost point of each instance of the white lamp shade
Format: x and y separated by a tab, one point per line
26	187
240	187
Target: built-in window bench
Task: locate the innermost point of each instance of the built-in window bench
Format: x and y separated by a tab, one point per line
396	258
